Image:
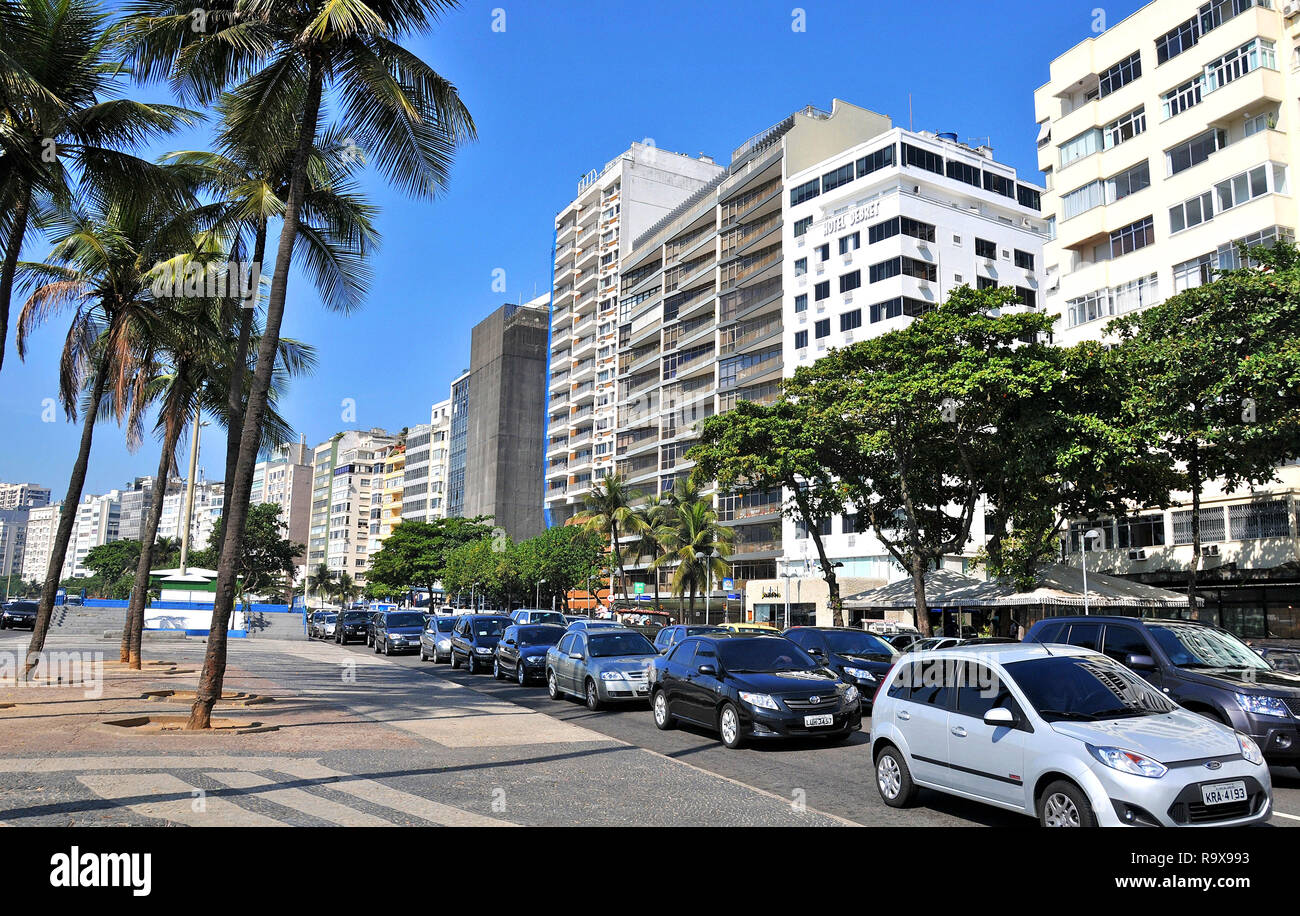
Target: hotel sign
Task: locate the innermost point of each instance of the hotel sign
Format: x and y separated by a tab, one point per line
851	218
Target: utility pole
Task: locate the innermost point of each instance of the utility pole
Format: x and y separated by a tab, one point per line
189	492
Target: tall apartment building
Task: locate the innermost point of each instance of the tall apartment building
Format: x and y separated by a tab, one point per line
137	498
23	496
1165	140
593	234
390	496
285	479
96	523
875	235
209	500
458	445
424	490
347	486
13	540
38	544
504	401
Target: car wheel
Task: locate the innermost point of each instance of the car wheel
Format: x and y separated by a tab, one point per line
729	726
521	673
593	695
496	669
553	686
451	656
388	648
471	663
663	718
1063	804
894	779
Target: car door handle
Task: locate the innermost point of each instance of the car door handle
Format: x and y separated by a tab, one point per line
959	731
904	715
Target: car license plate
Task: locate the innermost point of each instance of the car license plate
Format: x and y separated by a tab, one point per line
817	721
1223	792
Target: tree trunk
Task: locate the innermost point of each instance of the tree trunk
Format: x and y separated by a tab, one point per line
922	611
67	518
212	676
132	634
618	558
1194	478
828	569
13	247
235	402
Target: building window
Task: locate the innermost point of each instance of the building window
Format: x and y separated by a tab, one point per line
1029	197
1256	53
1127	182
822	291
1191	212
985	283
801	302
851	320
1180	38
1132	237
1265	518
824	252
1120	74
850	281
806	191
1241	188
800	340
1183	97
801	226
962	172
900	305
1124	128
837	178
822	328
1212	526
1024	259
1195	151
1027	296
875	161
999	184
800	267
922	159
850	242
985	249
885	269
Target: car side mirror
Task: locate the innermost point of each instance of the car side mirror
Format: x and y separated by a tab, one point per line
817	651
1141	662
1001	717
708	669
576	656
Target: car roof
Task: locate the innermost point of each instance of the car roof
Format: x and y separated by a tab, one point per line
843	629
733	634
1006	653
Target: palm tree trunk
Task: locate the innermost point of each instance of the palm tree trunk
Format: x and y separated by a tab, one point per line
214	663
235	403
133	632
13	247
67	517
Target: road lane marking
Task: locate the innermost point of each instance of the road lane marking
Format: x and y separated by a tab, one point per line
300	800
1290	817
216	811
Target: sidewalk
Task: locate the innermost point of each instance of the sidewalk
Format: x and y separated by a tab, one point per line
357	741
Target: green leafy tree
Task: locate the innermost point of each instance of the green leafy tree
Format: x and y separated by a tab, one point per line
696	547
109	561
758	448
1213	377
561	559
608	509
414	555
267	558
916	420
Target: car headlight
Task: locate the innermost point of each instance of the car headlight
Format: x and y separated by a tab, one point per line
611	675
1250	750
1263	706
759	700
444	644
482	651
860	674
851	695
1128	761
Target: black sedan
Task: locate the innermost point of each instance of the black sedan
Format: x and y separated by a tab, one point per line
398	631
751	687
860	658
521	652
351	625
18	615
474	639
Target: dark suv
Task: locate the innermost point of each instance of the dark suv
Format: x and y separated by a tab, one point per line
351	625
1203	668
398	631
474	640
18	614
860	658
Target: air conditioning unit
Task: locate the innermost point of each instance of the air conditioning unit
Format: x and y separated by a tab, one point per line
1210	550
1291	8
1138	554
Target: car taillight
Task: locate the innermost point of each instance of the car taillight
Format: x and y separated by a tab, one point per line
881	683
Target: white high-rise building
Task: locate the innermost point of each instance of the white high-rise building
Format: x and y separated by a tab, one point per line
209	497
347	491
593	233
96	524
13	538
1165	140
285	480
23	496
39	542
425	479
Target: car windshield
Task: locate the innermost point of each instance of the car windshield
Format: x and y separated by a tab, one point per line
608	645
23	606
355	617
540	636
442	624
1086	688
546	617
764	653
490	626
405	620
849	642
696	631
1190	646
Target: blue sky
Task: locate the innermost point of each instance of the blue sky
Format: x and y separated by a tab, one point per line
693	76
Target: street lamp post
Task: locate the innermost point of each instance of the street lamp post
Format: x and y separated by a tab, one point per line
537	593
787	576
1090	534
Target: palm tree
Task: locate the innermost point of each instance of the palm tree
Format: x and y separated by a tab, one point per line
100	268
650	521
605	509
284	58
57	109
249	172
346	589
690	542
321	580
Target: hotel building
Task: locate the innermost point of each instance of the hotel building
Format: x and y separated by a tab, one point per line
1165	140
346	500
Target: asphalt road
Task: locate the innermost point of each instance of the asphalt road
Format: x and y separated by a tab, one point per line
835	779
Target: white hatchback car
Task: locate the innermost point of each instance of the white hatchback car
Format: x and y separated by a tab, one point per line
1063	733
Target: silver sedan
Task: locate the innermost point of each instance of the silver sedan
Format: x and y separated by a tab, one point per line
604	665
